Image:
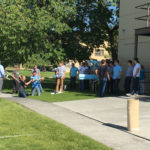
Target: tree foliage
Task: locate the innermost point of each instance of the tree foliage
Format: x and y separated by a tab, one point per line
52	30
30	27
88	30
112	28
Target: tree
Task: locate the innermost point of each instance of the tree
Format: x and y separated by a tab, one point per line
88	30
51	29
30	27
112	28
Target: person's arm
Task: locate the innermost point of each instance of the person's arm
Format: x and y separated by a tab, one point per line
39	73
108	76
27	83
15	78
2	71
119	74
57	71
77	73
137	71
70	73
96	71
64	75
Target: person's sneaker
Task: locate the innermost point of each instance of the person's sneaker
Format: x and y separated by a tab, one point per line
136	95
52	93
59	92
129	94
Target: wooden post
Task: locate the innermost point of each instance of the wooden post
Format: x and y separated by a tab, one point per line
133	115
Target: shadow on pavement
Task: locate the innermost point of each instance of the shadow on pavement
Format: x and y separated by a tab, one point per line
118	127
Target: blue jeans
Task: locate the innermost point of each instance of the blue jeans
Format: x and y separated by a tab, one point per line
40	87
127	84
36	89
73	83
103	83
135	88
116	87
81	85
22	94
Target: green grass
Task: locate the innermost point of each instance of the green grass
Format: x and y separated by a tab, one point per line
66	96
49	86
49	135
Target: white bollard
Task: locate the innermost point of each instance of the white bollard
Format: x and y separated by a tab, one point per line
133	115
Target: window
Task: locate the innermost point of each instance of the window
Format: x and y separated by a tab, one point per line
99	52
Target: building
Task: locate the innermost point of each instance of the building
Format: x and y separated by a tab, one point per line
98	54
134	34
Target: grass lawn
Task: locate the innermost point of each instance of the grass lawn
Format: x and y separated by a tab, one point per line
49	86
47	134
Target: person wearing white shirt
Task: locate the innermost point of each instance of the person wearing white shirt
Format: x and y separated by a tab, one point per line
2	74
60	72
136	76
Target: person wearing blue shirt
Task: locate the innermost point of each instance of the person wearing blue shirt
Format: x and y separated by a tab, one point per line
73	76
129	76
2	74
117	71
82	69
35	83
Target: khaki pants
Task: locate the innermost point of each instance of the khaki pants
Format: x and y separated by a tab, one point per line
60	81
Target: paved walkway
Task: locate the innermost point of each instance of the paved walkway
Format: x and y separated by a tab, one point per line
101	119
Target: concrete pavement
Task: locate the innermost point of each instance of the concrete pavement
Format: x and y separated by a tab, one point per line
103	119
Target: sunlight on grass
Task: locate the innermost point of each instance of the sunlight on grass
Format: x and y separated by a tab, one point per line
50	135
49	86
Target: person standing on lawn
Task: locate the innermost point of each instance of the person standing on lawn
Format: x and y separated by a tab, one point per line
110	82
35	68
82	71
2	75
136	76
129	76
103	75
73	76
21	85
16	74
60	73
117	72
35	83
87	71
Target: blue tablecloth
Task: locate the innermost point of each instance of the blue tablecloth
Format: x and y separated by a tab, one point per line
88	77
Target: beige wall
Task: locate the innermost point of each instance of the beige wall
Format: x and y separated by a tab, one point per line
105	56
93	56
127	27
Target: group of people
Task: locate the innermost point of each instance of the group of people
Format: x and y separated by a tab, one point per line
19	82
108	73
